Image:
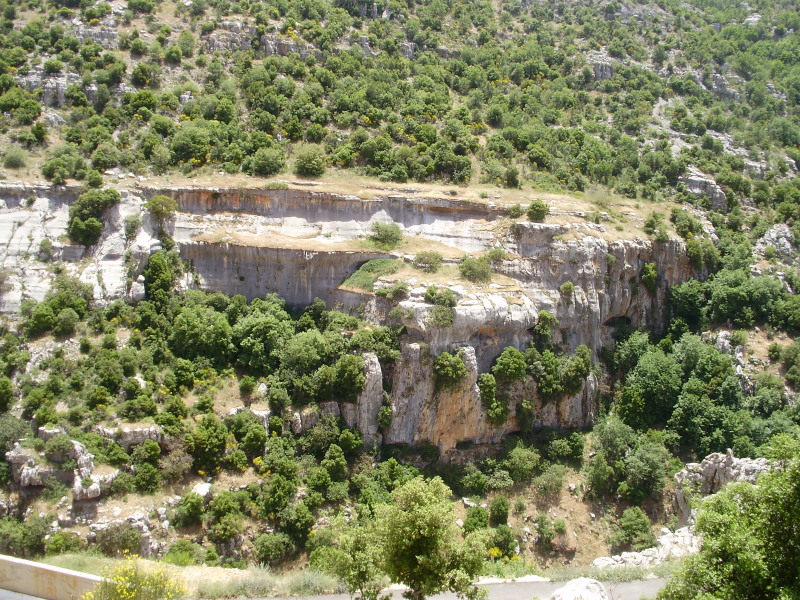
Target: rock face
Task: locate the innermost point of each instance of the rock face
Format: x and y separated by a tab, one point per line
709	476
702	185
363	414
581	589
128	436
780	237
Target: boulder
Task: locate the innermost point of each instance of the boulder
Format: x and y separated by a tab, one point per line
582	588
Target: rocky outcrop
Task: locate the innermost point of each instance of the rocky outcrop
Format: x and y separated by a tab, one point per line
444	418
582	588
605	275
128	436
602	65
701	185
678	544
709	476
781	239
53	86
272	44
363	413
25	468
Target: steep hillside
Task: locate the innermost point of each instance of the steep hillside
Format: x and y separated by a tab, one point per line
267	264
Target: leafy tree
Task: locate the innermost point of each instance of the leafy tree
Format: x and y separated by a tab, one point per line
510	365
634	532
498	510
386	235
272	548
161	208
420	542
477	518
200	331
267	161
206	443
354	558
448	370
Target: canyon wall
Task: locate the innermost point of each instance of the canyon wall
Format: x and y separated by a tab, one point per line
298	276
303	244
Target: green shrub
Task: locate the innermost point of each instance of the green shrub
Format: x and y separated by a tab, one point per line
14	158
310	162
440	296
189	510
498	510
62	542
58	448
428	261
649	277
370	271
272	548
515	211
548	484
537	211
477	270
634	532
146	479
161	207
267	161
386	235
567	289
441	316
510	365
184	553
66	322
118	539
477	518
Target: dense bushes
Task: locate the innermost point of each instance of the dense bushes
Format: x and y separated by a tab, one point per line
85	215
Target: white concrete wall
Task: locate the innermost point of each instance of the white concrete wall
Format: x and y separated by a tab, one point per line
44	581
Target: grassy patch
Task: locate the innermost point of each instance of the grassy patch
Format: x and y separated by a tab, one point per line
509	569
261	582
84	562
370	271
614	574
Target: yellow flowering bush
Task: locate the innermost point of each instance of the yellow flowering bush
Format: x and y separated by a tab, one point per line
128	582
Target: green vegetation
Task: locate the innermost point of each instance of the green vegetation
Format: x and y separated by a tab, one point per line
749	542
370	271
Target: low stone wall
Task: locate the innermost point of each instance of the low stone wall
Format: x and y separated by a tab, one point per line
44	581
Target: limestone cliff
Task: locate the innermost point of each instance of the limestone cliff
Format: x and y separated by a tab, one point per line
304	243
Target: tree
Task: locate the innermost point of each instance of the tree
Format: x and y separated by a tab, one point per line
420	542
634	532
448	369
267	161
200	331
386	235
6	393
354	558
161	207
510	365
